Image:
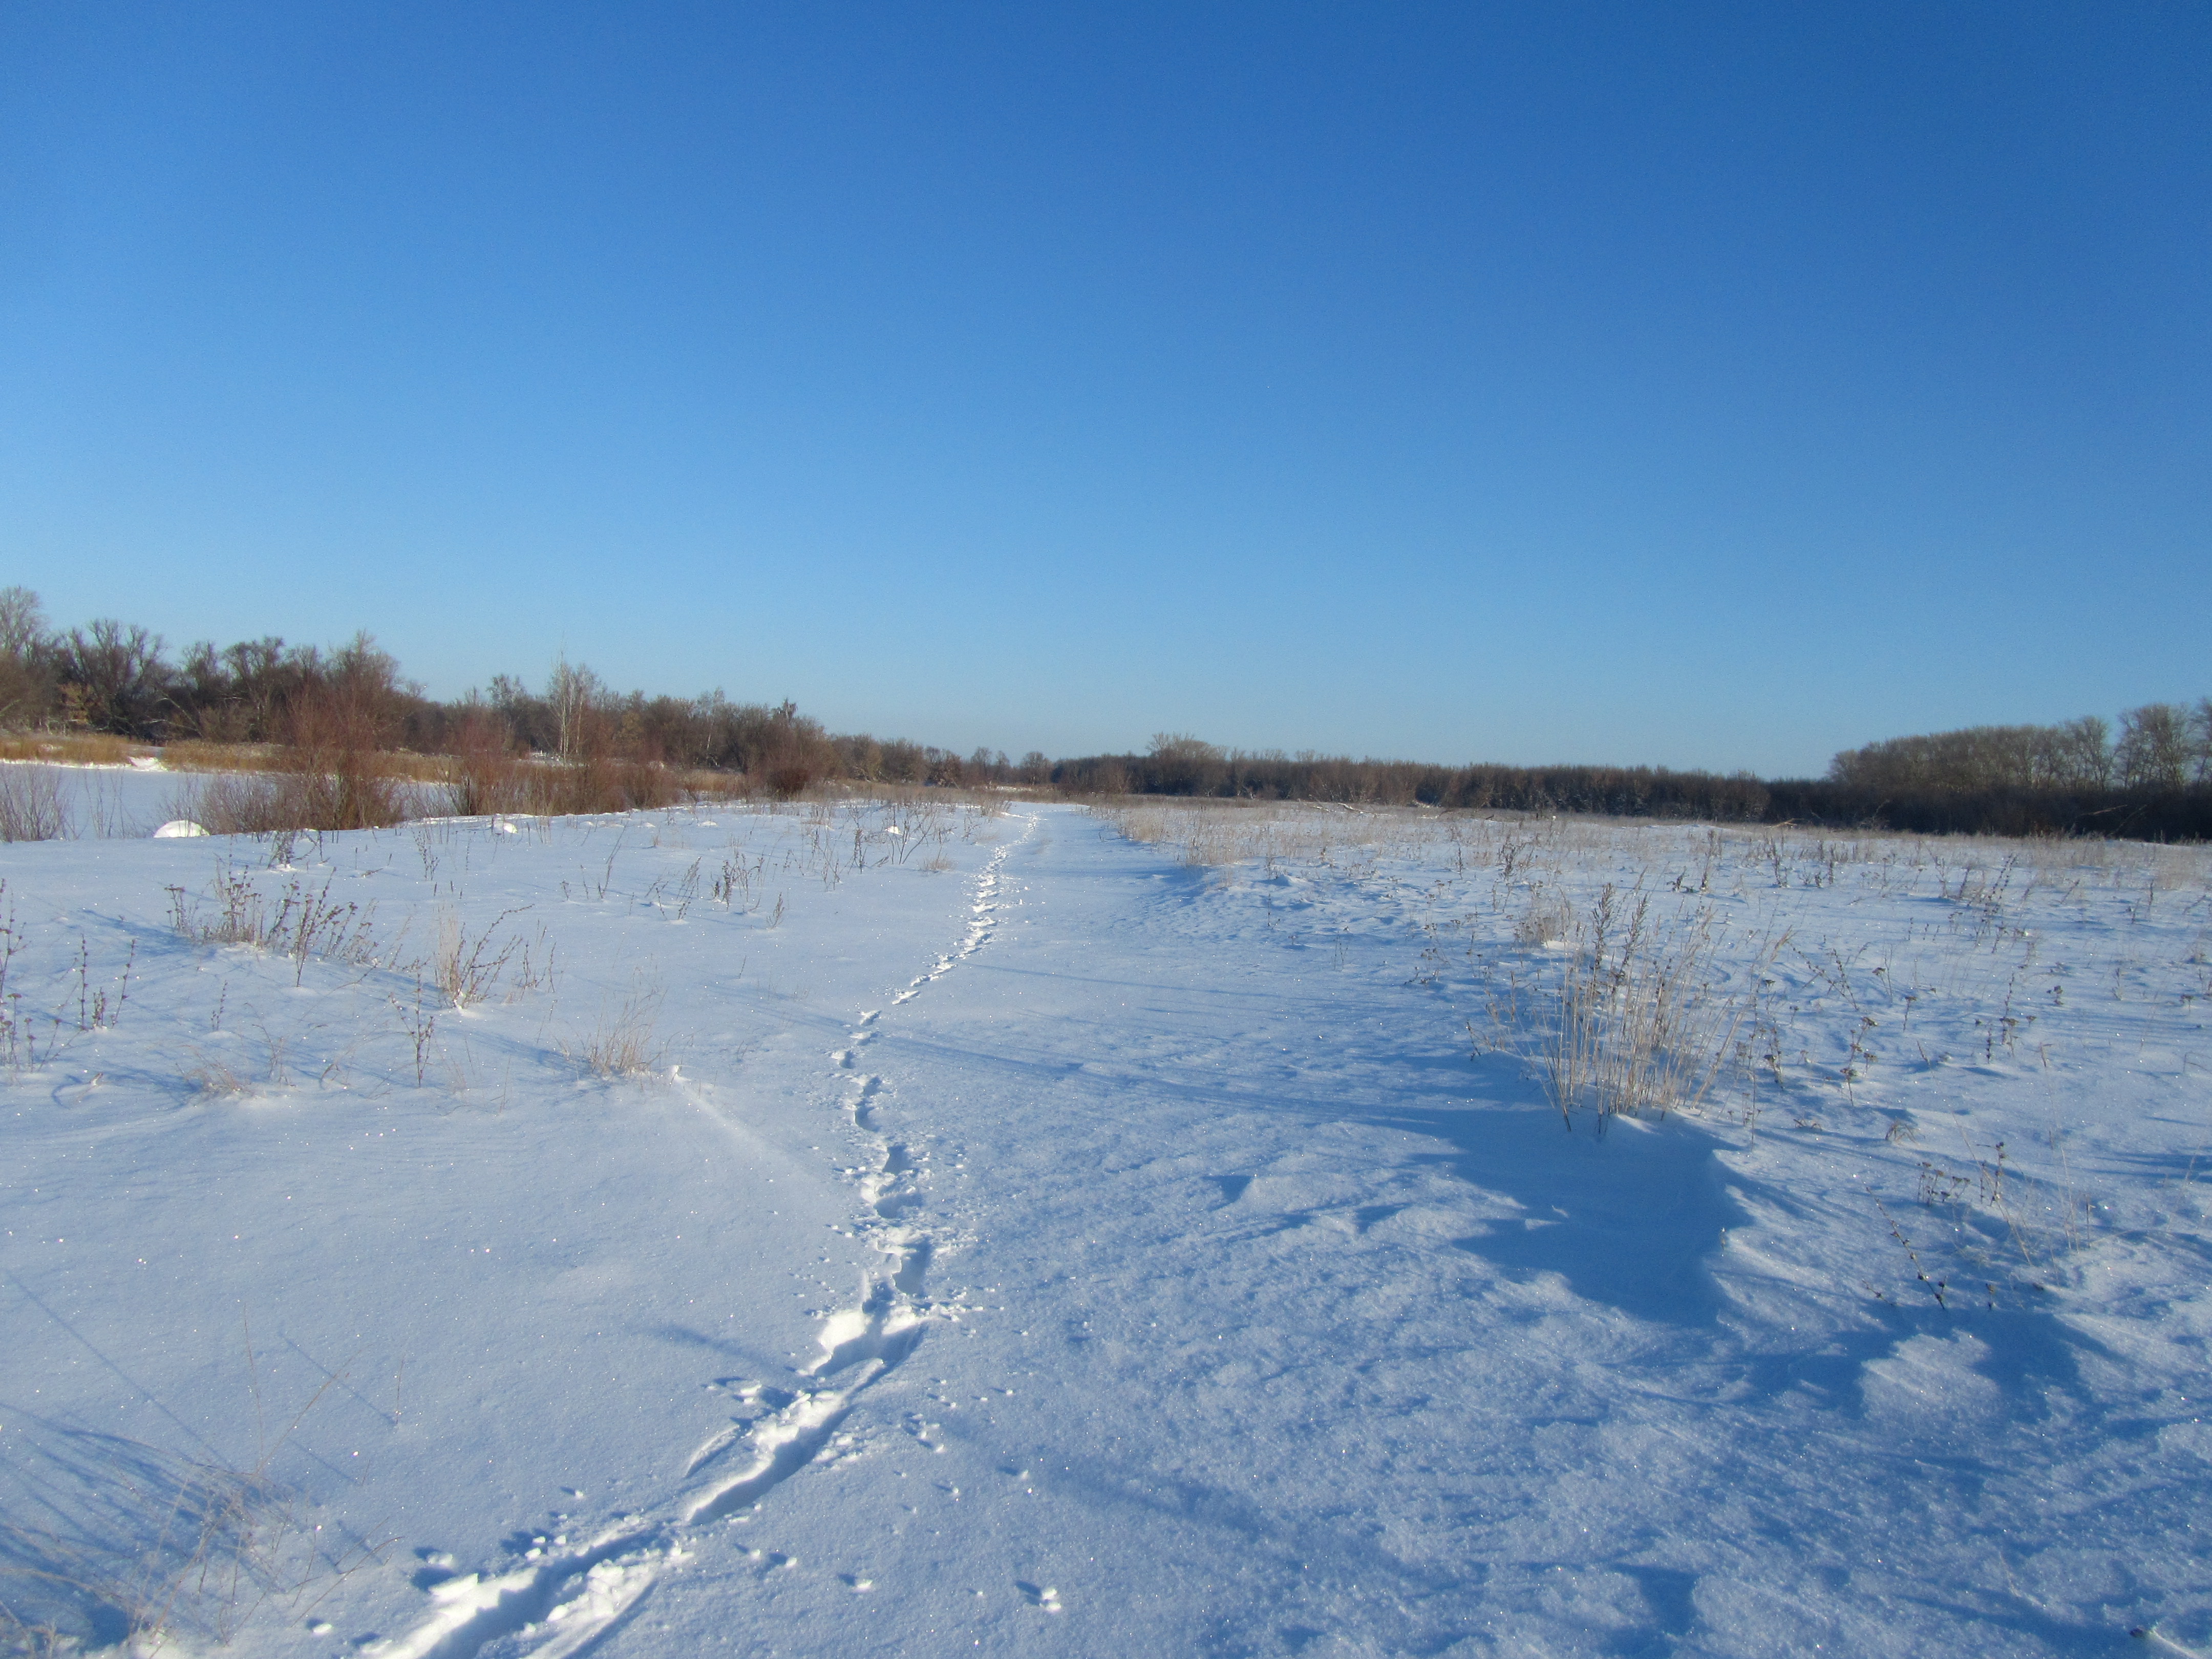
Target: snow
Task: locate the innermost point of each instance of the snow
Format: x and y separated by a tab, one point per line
891	1227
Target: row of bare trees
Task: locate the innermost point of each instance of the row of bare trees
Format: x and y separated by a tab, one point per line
1179	764
117	677
335	708
2153	780
2160	746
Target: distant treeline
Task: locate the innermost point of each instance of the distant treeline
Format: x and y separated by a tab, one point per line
2153	781
2150	778
119	678
2158	746
1178	765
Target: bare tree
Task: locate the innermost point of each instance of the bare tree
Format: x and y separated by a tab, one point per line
24	681
576	694
117	675
2154	751
2086	747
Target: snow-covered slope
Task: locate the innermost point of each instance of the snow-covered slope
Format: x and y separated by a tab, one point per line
901	1230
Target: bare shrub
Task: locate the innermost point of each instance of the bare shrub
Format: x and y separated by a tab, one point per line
640	785
302	921
340	726
239	804
31	806
335	773
600	783
486	775
787	779
465	970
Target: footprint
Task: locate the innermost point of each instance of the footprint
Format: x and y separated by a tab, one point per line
1047	1598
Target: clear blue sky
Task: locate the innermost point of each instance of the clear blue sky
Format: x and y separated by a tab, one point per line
1700	385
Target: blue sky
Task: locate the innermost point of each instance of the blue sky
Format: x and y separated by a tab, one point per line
1705	386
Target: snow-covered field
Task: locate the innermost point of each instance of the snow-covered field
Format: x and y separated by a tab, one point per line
894	1228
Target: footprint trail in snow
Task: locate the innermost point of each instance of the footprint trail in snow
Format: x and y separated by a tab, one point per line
570	1595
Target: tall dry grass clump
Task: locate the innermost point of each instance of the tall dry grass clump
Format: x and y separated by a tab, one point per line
1622	1015
621	1042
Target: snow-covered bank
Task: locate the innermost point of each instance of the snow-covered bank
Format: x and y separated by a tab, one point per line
1028	1241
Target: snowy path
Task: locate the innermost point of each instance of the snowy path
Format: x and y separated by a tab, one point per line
1061	1250
582	1593
1281	1347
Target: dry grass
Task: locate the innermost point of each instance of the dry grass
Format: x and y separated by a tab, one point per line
484	778
622	1044
232	803
1625	1018
1220	832
145	1552
191	755
1619	1006
1548	919
71	748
